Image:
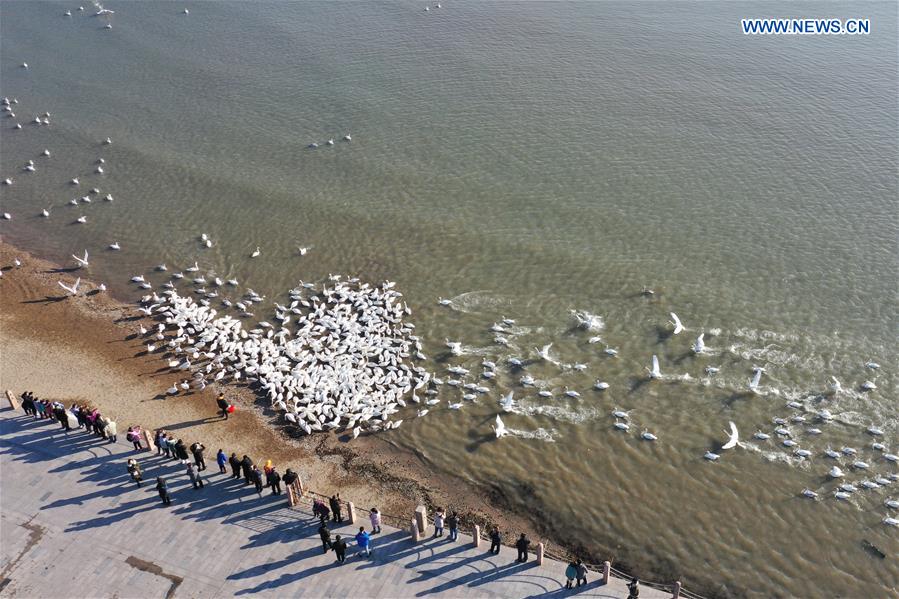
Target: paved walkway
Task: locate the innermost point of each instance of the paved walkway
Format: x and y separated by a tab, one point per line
73	524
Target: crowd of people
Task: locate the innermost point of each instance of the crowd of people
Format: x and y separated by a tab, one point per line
82	416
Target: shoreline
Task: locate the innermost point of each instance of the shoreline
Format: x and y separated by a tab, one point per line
89	348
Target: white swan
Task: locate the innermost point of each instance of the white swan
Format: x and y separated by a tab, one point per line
82	262
544	352
115	245
754	383
678	327
500	428
255	253
699	345
734	437
73	289
648	436
655	373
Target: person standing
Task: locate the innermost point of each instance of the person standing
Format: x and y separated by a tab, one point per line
339	547
163	490
570	574
495	540
633	588
274	481
197	449
325	534
134	436
235	465
134	471
112	430
453	524
322	510
256	475
60	413
181	451
194	474
221	459
438	522
222	404
581	572
247	465
522	545
27	404
334	501
159	440
290	477
170	443
363	540
375	517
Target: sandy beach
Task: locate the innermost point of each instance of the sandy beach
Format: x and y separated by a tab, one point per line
88	348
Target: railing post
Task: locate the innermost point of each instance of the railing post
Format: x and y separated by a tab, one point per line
351	512
676	592
606	572
416	536
149	435
300	488
12	399
476	537
421	518
292	497
540	549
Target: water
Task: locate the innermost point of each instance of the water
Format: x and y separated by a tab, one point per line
524	160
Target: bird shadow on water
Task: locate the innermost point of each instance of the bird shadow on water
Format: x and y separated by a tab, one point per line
663	334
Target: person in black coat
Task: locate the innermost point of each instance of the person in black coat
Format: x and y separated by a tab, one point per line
256	475
222	403
181	451
247	464
334	502
235	465
274	481
522	545
325	534
495	541
163	489
339	547
197	449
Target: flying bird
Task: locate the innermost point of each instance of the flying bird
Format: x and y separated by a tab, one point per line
678	327
734	437
73	289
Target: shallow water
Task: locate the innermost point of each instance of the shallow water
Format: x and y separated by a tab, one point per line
525	160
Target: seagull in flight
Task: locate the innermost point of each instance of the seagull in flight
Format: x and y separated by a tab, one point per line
73	289
655	373
500	428
733	439
82	262
678	327
754	383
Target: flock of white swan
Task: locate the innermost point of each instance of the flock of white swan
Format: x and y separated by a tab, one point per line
343	356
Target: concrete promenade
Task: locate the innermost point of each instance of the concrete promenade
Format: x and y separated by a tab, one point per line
72	524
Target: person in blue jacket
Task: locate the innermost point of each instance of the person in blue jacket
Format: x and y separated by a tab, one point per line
364	541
